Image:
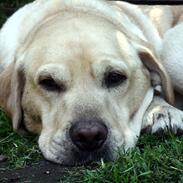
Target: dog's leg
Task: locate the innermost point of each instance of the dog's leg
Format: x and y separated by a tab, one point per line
162	117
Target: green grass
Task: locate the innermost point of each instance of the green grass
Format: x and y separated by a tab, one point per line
20	150
155	159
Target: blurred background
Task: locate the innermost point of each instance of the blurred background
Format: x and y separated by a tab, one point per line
7	7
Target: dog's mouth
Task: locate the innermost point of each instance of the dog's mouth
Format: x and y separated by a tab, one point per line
81	144
85	158
86	141
79	158
67	154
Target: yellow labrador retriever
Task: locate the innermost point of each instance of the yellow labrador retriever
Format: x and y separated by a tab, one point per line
83	74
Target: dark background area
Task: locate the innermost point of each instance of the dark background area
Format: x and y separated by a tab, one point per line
152	2
7	7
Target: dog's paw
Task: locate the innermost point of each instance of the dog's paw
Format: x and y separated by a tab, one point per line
163	118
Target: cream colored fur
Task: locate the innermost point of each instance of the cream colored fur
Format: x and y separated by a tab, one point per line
169	23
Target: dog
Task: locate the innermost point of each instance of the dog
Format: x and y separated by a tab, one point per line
87	76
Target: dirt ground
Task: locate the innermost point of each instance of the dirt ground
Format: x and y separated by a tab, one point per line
42	172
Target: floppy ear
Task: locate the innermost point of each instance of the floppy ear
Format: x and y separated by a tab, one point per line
157	69
11	88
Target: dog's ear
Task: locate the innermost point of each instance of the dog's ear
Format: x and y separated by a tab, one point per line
158	73
11	88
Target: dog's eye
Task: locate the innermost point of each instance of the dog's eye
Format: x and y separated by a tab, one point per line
114	78
50	85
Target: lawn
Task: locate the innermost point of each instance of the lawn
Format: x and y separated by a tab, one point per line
155	159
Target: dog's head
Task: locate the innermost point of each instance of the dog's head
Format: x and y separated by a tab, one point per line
79	81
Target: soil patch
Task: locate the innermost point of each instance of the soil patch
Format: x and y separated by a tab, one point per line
42	172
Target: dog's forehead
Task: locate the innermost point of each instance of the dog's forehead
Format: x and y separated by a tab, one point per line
77	40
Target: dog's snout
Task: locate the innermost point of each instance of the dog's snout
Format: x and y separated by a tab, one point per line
88	135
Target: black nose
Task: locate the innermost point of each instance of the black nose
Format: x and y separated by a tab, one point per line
88	135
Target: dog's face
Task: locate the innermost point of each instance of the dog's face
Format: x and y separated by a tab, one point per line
83	83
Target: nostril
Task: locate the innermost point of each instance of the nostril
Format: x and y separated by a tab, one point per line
88	136
100	136
80	137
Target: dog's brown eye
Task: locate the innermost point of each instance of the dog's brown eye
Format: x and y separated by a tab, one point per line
50	85
114	79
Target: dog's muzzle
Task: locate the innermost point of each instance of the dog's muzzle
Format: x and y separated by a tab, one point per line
88	134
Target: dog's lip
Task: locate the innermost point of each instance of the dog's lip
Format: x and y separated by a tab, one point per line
79	158
76	157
